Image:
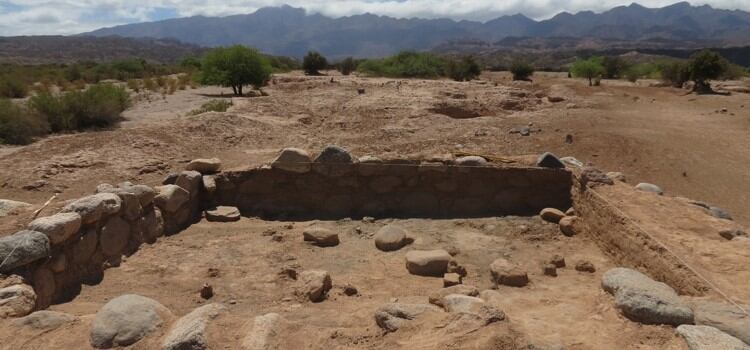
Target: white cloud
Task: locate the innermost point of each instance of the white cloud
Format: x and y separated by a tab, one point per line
18	17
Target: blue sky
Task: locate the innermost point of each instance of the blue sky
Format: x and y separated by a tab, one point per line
32	17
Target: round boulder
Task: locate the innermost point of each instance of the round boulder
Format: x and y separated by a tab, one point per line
390	238
16	300
551	215
125	320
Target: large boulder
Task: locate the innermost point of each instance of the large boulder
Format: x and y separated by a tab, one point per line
170	198
23	248
709	338
189	332
144	193
125	320
551	215
314	284
204	166
92	208
44	320
58	227
190	181
321	237
114	237
390	238
294	160
644	300
265	333
17	300
223	214
8	206
428	262
508	274
725	317
391	317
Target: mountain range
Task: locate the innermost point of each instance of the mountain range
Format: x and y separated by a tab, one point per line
292	32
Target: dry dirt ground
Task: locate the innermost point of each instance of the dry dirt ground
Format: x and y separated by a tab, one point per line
684	143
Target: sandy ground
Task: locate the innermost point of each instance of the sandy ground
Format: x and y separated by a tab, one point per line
684	143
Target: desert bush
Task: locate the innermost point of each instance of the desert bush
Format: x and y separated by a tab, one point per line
313	63
17	125
704	66
614	67
280	64
406	64
98	106
641	70
150	85
235	67
13	87
521	70
675	73
589	69
463	69
347	66
212	106
134	84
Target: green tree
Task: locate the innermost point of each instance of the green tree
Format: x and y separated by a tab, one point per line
589	69
235	67
614	67
674	72
704	66
313	63
347	66
521	70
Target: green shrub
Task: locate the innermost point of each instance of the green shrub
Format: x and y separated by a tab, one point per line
347	66
674	72
704	66
614	67
98	106
521	70
589	69
17	125
406	64
212	106
12	87
463	69
313	63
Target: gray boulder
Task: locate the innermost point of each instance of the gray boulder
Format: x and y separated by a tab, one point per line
320	236
189	332
647	187
709	338
293	160
644	300
144	193
461	303
334	154
391	317
471	161
23	248
125	320
58	227
390	238
44	320
170	198
223	214
204	166
436	297
7	206
114	237
428	262
725	317
92	208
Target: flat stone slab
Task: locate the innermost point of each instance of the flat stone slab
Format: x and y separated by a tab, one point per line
321	237
709	338
644	300
724	317
428	262
223	214
391	317
204	166
189	332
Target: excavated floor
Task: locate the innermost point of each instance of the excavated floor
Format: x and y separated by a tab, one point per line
243	262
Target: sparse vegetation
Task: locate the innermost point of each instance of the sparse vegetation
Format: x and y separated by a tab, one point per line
521	70
463	69
12	87
313	63
98	106
614	67
674	72
235	67
347	66
405	65
590	68
17	124
212	106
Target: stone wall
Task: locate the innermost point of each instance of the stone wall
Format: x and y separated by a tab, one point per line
394	188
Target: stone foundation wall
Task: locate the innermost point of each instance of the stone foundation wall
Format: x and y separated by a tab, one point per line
395	188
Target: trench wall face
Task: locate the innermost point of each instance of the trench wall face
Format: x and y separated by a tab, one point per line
405	189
